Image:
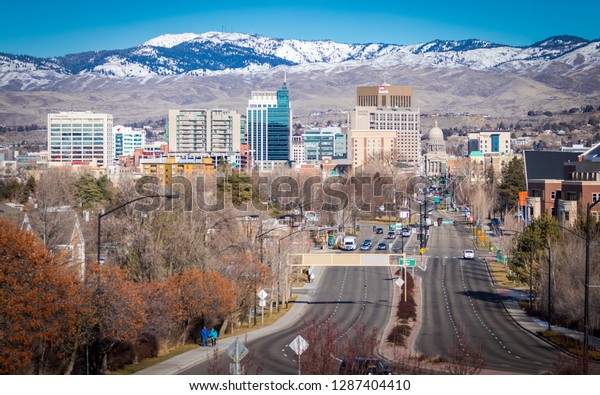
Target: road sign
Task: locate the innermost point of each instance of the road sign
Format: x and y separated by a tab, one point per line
299	345
421	250
262	294
411	262
262	303
399	282
236	350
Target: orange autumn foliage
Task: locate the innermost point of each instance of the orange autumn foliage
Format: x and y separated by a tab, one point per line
117	306
40	302
202	294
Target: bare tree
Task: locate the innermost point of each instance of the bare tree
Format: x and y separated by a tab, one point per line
466	357
54	190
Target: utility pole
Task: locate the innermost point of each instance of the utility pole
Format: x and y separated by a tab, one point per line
420	225
586	302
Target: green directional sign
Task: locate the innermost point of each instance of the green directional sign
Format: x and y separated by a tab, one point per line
410	262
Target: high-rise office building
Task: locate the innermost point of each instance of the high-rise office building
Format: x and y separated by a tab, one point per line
80	138
381	109
268	127
330	142
127	140
203	131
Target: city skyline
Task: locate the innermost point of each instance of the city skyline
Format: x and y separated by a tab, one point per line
57	29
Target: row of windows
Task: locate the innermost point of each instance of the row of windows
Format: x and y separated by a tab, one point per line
77	133
67	144
393	117
570	195
79	125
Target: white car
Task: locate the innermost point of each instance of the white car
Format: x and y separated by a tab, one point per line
468	254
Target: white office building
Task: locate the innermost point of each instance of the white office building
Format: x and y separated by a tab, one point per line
80	138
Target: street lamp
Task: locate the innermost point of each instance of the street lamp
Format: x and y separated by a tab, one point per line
586	302
530	264
101	215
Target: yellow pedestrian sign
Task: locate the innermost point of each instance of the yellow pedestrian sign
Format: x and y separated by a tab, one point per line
421	250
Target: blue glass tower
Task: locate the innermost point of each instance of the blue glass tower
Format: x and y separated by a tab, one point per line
268	126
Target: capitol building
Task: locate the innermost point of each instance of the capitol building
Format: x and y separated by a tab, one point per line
435	159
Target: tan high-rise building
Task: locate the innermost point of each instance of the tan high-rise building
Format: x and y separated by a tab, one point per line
366	146
384	95
382	109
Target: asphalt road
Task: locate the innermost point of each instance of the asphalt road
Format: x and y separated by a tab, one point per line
346	296
462	313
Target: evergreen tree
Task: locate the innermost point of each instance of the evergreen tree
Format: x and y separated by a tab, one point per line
532	242
490	177
28	189
238	186
88	192
513	182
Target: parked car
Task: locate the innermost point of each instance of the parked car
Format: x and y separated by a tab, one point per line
379	231
382	246
366	245
361	365
405	232
391	235
468	254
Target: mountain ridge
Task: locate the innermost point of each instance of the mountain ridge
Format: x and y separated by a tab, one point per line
196	54
221	69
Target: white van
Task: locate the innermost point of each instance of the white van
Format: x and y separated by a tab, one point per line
349	243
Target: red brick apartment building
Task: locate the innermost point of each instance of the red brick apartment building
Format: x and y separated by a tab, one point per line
563	183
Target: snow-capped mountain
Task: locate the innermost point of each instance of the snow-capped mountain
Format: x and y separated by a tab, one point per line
213	52
221	69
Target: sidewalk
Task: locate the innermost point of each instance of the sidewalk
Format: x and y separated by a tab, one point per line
188	359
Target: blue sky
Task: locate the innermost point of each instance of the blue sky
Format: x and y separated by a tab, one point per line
54	28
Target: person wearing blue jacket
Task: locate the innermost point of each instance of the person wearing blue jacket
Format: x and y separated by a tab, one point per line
204	334
213	337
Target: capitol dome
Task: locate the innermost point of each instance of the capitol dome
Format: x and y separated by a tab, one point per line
435	133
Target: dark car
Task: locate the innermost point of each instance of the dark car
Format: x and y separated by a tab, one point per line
382	246
366	245
379	231
360	365
391	235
